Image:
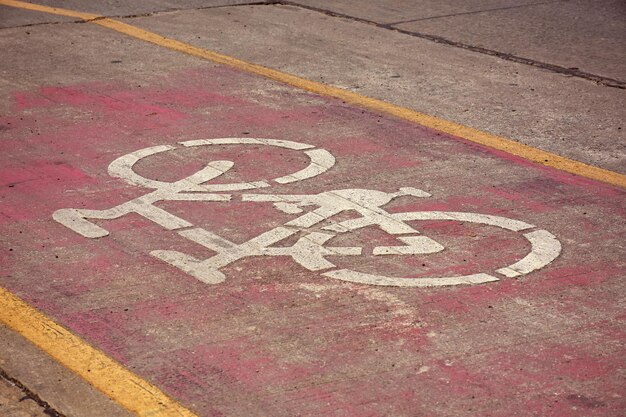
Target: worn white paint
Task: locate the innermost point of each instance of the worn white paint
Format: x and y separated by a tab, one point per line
503	222
321	161
311	249
76	219
368	203
122	167
287	144
371	279
545	249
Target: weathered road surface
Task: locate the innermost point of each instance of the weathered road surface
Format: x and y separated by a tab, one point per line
243	247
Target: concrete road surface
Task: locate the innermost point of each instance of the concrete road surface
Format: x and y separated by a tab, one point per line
335	208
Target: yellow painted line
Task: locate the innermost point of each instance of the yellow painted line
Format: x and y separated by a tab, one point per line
104	373
445	126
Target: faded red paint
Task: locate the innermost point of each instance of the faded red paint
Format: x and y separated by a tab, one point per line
274	338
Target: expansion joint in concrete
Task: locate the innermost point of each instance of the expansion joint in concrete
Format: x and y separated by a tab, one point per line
571	72
30	395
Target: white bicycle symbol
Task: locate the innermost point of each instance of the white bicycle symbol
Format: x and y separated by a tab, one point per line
310	250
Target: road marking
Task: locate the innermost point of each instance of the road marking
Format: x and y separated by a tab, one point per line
309	251
445	126
545	248
107	375
363	278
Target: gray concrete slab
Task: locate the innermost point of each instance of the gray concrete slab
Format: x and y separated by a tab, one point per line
64	393
386	12
50	53
582	34
12	17
13	402
123	8
568	116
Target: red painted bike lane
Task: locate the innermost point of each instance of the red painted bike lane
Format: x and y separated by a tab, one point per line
257	250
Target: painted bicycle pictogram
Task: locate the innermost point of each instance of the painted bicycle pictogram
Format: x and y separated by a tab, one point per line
312	249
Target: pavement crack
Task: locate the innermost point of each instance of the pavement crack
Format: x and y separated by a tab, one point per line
30	395
558	69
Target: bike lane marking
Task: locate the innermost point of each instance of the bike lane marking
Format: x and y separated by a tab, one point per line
223	168
308	251
102	192
474	135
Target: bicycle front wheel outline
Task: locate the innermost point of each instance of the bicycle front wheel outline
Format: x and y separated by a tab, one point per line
545	248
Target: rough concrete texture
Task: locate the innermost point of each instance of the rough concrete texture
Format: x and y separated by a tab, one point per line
11	17
569	116
588	35
275	338
551	35
124	8
13	402
390	12
45	386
